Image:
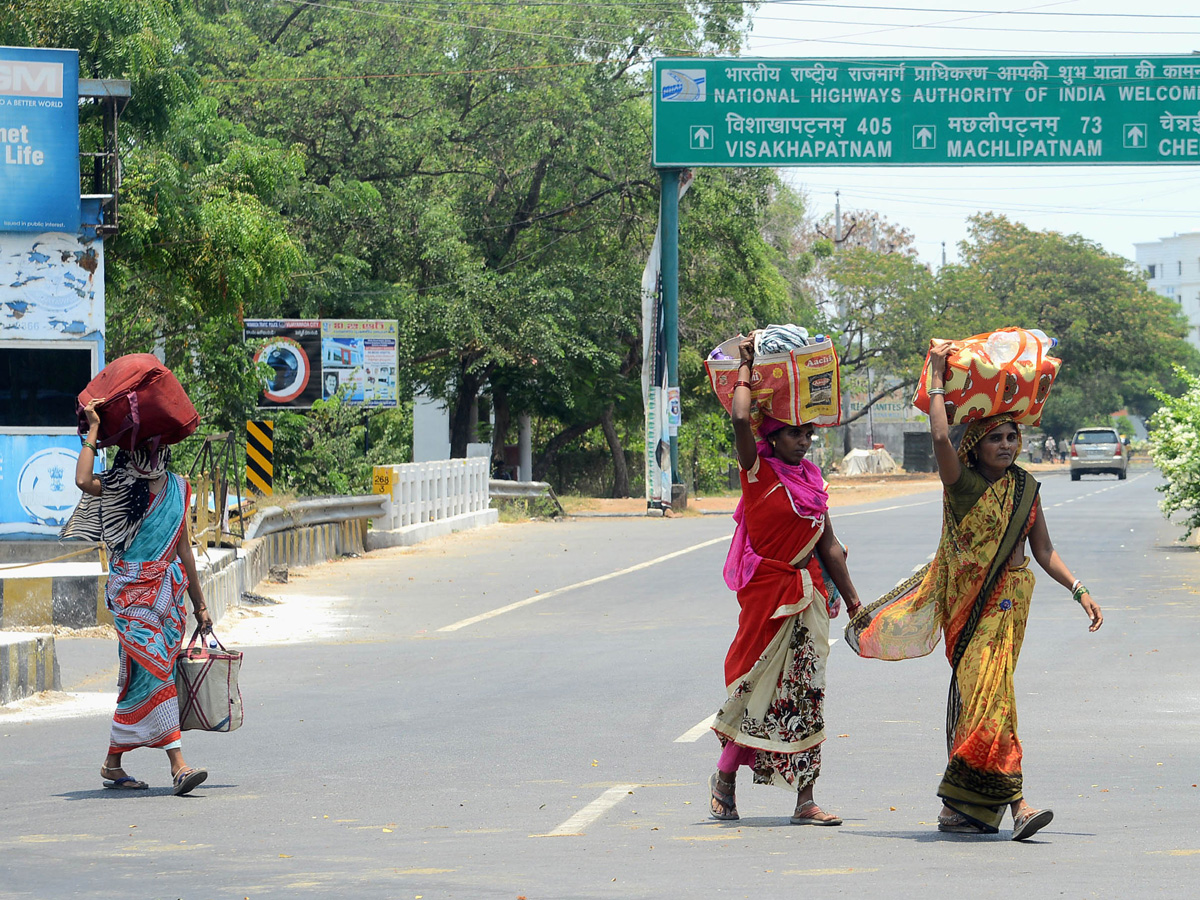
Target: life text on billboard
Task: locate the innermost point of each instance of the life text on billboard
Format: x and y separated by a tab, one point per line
39	140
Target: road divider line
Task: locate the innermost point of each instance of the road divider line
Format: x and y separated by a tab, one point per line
863	512
697	731
491	614
574	826
545	595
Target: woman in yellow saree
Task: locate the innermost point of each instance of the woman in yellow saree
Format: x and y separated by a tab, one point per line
976	593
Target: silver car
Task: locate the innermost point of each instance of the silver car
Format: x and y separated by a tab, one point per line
1098	450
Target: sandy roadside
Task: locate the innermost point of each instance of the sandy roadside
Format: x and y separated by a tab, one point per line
843	491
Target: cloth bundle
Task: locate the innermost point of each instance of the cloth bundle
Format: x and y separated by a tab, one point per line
1005	371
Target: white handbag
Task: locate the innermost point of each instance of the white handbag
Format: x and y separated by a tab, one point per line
206	681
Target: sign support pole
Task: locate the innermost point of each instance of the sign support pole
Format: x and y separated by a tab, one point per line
669	216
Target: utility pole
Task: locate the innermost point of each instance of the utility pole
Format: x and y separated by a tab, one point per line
670	287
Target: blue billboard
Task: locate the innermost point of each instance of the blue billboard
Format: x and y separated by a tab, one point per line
39	140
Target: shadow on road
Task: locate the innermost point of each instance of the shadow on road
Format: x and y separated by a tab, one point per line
104	793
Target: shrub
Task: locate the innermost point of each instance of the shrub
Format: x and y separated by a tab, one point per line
1175	449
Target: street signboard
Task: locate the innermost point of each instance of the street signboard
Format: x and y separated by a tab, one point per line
1137	110
360	360
292	347
39	140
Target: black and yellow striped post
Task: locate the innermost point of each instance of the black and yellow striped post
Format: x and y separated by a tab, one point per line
260	456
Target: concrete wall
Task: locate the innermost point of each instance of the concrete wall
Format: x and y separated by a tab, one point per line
72	594
28	664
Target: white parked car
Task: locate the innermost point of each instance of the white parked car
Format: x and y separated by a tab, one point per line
1099	450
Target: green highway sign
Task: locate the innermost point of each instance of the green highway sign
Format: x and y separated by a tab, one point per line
1137	110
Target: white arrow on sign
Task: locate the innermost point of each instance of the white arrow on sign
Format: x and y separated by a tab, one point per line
923	136
1135	135
701	137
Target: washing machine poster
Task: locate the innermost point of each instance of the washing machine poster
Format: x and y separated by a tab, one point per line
37	483
359	359
292	348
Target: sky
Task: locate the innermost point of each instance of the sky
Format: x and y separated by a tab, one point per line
1114	206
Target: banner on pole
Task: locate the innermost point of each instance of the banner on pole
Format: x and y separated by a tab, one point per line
655	390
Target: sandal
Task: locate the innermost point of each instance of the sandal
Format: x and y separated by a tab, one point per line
121	782
186	779
814	819
721	805
957	823
1028	823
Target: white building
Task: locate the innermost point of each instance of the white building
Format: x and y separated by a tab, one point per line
1173	267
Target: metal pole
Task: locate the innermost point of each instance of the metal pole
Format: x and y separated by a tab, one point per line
669	198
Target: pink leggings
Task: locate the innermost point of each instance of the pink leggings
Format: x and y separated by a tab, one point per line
734	755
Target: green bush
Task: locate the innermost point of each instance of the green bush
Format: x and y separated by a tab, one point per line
321	453
1175	449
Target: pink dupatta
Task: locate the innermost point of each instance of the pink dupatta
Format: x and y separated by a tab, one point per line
805	488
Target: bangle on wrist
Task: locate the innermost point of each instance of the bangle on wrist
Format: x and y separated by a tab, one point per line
741	383
91	447
936	392
1078	591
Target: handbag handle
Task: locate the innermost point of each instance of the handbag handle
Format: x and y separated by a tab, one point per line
196	637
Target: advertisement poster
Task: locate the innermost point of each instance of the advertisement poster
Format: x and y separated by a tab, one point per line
359	359
37	483
662	416
39	123
293	350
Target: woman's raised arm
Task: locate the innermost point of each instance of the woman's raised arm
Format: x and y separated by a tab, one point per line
85	476
949	468
743	431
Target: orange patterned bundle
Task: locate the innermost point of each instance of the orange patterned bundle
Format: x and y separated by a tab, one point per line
1005	371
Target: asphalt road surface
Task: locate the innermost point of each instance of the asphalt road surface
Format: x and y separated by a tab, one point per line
521	712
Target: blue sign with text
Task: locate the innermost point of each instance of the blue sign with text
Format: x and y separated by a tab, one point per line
39	140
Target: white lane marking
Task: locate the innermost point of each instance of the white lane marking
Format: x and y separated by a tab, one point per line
574	826
570	587
697	731
864	512
57	705
491	614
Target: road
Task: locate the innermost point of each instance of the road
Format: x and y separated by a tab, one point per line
407	736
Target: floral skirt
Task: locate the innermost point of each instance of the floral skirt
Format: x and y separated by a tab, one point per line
777	708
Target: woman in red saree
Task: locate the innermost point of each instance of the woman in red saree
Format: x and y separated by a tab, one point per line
976	593
773	720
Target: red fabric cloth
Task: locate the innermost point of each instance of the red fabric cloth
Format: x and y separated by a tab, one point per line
777	535
806	489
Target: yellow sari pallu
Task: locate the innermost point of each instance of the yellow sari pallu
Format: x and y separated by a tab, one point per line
969	594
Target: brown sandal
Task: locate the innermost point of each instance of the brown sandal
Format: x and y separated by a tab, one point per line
1030	822
957	823
798	819
721	804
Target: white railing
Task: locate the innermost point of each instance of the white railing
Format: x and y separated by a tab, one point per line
428	491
